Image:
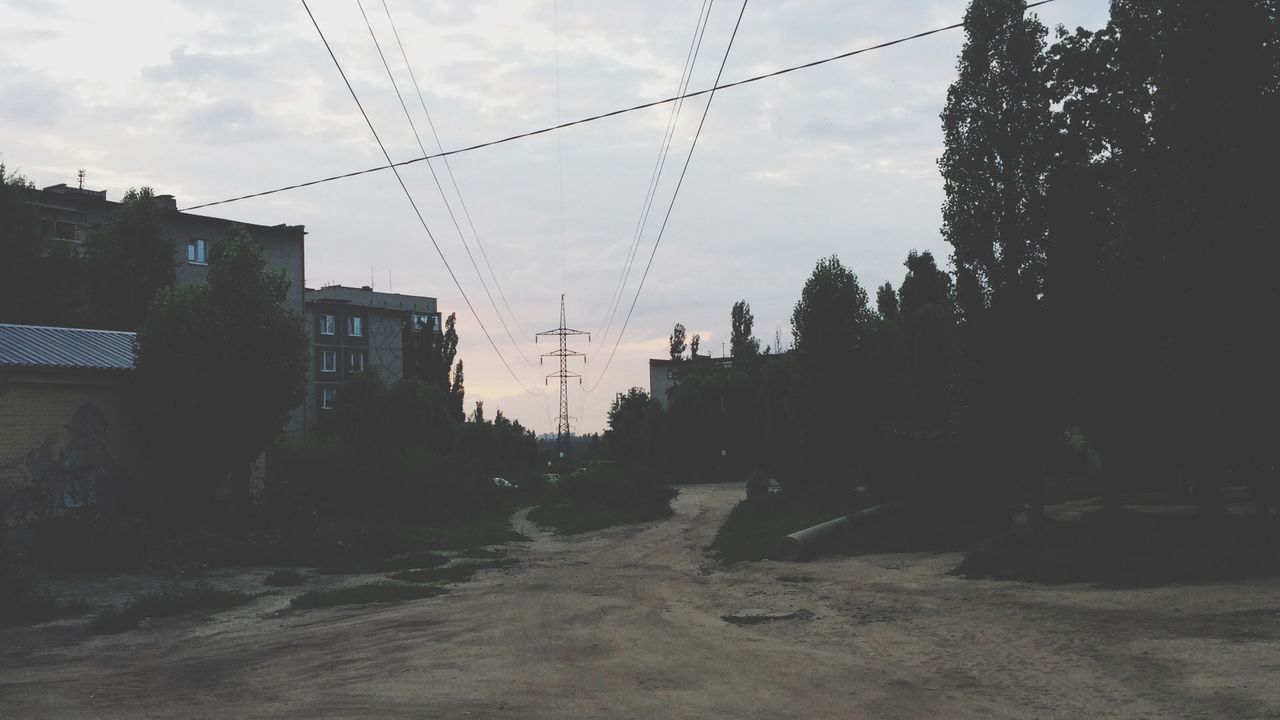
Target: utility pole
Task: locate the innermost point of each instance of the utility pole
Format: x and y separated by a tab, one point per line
564	353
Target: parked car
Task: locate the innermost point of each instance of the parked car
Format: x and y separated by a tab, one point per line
503	483
551	479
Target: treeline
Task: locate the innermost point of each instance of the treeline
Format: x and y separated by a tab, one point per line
1108	313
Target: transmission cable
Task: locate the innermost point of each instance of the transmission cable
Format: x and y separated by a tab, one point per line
394	86
466	212
409	196
613	113
676	193
664	149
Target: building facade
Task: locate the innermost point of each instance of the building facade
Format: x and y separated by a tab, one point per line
67	214
357	329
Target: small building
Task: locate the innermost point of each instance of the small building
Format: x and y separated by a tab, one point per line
67	435
355	329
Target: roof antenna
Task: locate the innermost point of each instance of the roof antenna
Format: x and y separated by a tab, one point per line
80	177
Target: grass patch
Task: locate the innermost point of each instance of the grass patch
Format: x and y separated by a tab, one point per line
481	553
1130	549
285	578
363	563
26	601
461	572
29	606
380	591
174	600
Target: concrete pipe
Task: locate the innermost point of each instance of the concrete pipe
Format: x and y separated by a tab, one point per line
804	544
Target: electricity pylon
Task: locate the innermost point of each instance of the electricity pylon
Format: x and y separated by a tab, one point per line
564	353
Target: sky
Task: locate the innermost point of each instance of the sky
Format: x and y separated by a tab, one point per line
211	99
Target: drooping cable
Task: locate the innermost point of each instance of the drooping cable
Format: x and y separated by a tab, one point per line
466	211
593	118
409	197
413	126
662	230
664	148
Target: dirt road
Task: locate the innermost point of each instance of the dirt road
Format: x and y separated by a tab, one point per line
627	623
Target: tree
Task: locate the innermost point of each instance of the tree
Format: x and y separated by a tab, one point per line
128	260
627	440
19	248
41	283
694	344
220	366
741	342
887	302
832	328
677	342
457	393
996	127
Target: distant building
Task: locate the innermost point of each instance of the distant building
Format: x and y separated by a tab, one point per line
665	374
355	329
67	214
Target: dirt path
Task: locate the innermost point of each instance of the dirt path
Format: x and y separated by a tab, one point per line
627	623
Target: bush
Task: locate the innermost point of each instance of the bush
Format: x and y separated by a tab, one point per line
603	495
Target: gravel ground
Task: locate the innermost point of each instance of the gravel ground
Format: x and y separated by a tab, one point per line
629	622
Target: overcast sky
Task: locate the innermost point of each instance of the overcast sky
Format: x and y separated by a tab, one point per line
208	99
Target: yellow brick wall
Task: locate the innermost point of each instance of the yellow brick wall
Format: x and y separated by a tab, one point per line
64	434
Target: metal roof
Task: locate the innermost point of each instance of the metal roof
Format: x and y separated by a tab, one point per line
56	347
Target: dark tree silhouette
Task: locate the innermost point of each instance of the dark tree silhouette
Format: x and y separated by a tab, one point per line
996	126
128	260
676	343
741	343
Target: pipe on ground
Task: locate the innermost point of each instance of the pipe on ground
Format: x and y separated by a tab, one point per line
804	544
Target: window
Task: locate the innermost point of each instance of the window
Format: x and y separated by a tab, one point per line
327	396
420	320
355	328
328	361
198	252
327	323
355	361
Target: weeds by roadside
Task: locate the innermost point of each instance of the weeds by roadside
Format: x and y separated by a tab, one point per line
285	578
379	591
173	600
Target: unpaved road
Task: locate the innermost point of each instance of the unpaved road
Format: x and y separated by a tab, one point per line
626	623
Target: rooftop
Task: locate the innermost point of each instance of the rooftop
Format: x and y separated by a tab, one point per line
368	298
56	347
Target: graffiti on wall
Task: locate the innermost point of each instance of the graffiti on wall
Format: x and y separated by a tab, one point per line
51	480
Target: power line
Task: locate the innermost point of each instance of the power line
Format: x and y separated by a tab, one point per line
664	148
409	196
593	118
394	86
697	133
449	169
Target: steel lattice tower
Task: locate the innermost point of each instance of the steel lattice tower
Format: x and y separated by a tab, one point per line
564	353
